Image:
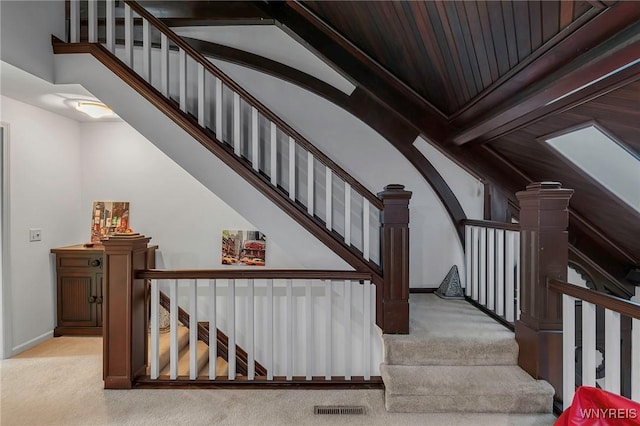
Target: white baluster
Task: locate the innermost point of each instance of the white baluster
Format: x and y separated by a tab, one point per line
309	328
74	30
201	96
155	330
146	50
328	319
164	65
310	181
482	274
182	71
500	233
274	154
568	349
251	365
612	351
269	354
255	155
509	292
111	26
193	330
93	21
236	124
328	198
128	35
588	344
292	169
289	335
468	249
347	330
173	336
213	331
366	338
366	232
219	108
475	238
635	356
347	214
491	264
231	306
516	259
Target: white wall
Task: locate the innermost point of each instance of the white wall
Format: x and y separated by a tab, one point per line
168	204
372	160
25	34
45	193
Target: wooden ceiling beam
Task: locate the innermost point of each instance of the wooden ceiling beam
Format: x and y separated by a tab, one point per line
617	51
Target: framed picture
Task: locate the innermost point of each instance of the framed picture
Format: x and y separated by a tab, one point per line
245	248
108	218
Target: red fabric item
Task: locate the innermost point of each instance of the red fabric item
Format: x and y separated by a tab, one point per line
596	407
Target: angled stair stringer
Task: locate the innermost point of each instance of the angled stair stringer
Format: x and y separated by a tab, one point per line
123	90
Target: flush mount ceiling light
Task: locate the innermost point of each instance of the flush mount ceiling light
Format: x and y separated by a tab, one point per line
94	109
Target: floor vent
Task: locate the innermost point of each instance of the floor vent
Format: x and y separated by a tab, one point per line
338	409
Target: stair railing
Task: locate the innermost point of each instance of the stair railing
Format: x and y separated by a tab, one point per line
492	268
622	346
270	147
300	323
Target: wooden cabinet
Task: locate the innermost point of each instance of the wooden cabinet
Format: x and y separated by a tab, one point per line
79	289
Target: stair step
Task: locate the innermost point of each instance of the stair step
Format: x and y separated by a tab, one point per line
165	344
184	359
479	389
432	348
222	368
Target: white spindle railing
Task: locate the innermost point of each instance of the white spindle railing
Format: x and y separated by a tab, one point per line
576	298
492	262
295	327
166	67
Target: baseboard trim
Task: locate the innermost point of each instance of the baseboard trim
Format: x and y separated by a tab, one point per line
418	290
31	343
492	314
280	382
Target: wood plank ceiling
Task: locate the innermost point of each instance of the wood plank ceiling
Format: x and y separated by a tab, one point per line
449	51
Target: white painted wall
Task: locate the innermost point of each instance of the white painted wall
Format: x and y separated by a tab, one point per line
372	160
45	193
168	204
25	34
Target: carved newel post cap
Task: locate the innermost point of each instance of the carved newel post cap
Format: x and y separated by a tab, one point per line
544	185
394	187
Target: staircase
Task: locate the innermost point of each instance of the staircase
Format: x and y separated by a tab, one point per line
183	356
457	359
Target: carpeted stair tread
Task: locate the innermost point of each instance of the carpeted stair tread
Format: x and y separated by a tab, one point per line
433	348
202	358
498	389
222	368
164	345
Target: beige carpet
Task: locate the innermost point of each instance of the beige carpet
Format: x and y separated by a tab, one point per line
60	383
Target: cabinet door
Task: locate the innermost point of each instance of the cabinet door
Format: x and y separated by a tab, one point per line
99	291
76	298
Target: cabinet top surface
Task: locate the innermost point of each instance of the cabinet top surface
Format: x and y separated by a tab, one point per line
96	248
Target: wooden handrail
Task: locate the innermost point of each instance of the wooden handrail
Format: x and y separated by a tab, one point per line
198	57
304	274
613	303
492	224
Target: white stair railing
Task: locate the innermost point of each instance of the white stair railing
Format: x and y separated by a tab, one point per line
492	267
301	325
617	339
269	146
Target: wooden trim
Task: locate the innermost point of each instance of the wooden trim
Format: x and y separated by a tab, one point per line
198	57
613	303
596	272
421	290
492	224
208	140
490	313
303	274
241	382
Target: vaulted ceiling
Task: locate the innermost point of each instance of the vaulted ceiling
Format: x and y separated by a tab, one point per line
483	81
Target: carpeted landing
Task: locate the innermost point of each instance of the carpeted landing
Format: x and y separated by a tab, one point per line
457	359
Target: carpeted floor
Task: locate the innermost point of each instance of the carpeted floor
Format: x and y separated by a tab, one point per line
60	383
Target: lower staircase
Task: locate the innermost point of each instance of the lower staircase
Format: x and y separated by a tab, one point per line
457	359
183	355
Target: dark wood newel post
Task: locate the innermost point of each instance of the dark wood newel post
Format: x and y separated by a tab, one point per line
544	251
124	325
395	259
